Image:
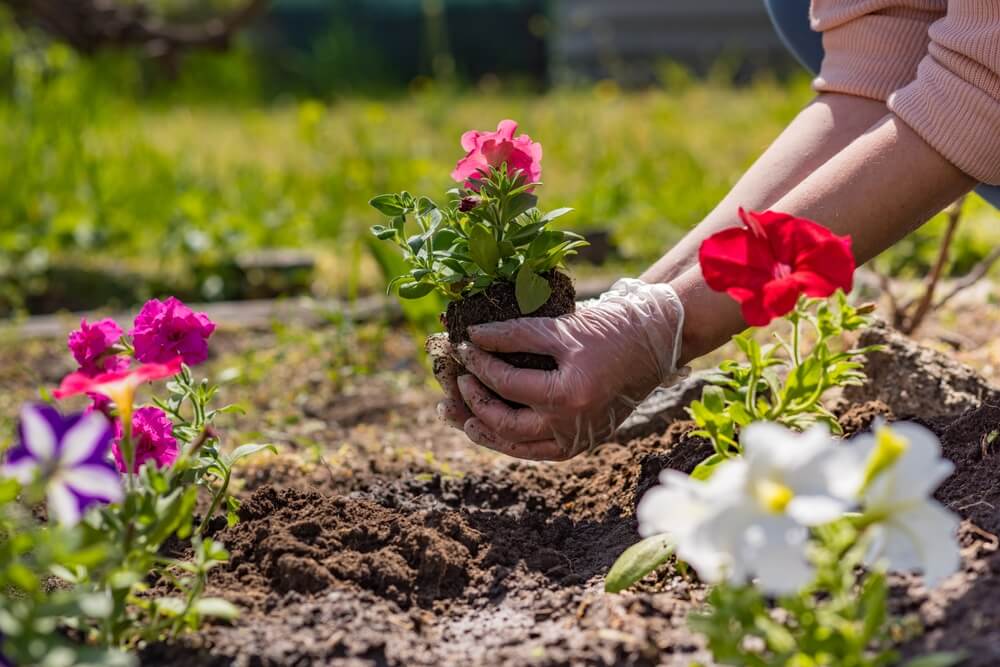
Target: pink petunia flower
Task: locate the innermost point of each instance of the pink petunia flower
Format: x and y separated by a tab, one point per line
493	149
91	347
167	329
153	435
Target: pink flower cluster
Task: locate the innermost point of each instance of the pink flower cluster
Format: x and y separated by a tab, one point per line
167	329
92	345
163	331
165	334
494	149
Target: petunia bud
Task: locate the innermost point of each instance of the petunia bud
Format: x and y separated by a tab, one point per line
468	203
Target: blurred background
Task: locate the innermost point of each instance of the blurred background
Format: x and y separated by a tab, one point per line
226	150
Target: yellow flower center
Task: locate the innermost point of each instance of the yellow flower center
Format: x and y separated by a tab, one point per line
889	446
773	496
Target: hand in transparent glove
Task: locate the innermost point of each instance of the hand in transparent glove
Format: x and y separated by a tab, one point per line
611	353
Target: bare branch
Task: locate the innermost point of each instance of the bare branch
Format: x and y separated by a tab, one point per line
923	306
977	273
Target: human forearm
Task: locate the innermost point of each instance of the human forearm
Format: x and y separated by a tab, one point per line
883	185
824	128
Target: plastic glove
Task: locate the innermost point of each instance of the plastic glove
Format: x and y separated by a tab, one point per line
611	353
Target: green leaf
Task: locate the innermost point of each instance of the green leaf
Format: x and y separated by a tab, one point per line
383	233
705	469
483	248
388	204
243	451
519	204
637	561
942	659
415	290
217	608
558	213
531	290
526	234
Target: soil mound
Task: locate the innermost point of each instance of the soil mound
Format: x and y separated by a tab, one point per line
290	540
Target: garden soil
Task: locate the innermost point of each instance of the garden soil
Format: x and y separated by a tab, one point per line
469	559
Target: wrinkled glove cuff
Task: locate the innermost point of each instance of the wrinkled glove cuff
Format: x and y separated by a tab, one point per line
658	312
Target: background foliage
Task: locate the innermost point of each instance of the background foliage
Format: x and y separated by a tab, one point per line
124	184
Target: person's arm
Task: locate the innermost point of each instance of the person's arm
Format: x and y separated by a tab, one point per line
879	188
820	131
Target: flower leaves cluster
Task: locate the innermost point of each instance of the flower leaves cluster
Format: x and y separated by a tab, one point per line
490	230
104	535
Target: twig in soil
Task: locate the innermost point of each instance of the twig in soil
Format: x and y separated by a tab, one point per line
954	213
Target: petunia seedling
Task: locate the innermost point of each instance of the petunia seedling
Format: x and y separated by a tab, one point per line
490	230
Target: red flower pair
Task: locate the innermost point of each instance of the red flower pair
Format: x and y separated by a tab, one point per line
772	260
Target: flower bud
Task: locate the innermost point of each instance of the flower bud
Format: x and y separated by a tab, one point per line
468	203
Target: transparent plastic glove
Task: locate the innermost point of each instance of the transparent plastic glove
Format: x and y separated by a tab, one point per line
611	355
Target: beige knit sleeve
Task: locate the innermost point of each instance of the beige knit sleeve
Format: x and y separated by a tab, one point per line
873	47
954	101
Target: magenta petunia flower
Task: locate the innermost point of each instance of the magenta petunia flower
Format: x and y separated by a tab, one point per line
153	435
91	347
494	149
167	329
71	455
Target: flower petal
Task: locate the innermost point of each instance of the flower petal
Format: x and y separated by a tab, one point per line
23	470
95	483
39	434
734	258
922	538
88	439
815	510
63	504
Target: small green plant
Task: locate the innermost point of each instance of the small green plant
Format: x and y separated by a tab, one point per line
782	382
95	578
491	230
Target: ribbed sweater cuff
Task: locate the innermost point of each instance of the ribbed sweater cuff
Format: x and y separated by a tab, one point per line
959	120
872	55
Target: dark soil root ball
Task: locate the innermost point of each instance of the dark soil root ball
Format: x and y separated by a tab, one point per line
498	303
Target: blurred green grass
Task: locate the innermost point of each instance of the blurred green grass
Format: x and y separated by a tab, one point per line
97	174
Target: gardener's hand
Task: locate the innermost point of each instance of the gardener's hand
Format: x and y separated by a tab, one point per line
611	355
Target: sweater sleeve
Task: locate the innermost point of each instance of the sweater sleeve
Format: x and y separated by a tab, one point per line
873	47
954	101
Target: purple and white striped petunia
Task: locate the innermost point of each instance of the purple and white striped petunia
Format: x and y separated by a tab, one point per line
71	454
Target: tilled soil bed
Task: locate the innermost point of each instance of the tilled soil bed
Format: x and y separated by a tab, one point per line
500	562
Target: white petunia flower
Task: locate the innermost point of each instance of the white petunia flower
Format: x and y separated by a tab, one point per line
751	518
892	473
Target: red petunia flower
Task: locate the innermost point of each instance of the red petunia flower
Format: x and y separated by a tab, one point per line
772	260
